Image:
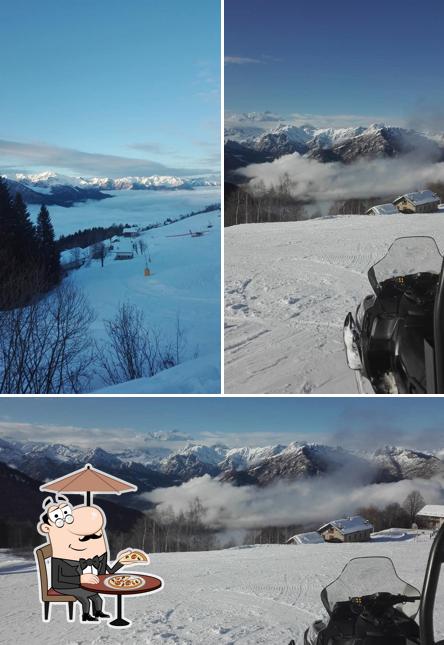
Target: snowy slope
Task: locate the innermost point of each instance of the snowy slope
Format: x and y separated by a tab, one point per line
184	282
288	288
245	596
197	376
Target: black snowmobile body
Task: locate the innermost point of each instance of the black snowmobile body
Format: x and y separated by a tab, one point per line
385	617
347	627
368	604
395	341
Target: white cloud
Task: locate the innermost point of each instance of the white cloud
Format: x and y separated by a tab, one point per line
269	119
327	182
340	120
84	163
285	503
110	439
240	60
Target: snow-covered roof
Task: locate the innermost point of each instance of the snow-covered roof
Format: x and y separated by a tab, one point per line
419	198
383	209
131	229
312	537
347	525
124	246
431	510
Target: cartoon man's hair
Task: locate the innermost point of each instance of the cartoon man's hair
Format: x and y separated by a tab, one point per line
49	501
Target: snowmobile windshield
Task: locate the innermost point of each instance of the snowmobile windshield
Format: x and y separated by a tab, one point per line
367	576
407	256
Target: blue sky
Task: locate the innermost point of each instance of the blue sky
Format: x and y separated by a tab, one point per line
357	422
137	82
364	61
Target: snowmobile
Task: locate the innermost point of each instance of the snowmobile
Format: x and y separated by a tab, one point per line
369	604
395	341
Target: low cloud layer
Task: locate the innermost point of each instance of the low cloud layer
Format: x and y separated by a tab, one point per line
285	503
327	182
41	155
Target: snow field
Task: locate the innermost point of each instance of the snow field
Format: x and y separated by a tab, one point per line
288	288
258	595
185	282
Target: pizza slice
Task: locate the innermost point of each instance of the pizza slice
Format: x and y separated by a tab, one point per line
135	556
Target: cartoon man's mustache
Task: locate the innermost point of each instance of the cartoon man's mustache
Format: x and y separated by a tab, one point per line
85	538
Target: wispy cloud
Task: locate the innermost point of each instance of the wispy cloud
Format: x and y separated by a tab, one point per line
85	163
240	60
269	119
88	437
367	428
272	59
207	81
233	118
339	120
153	147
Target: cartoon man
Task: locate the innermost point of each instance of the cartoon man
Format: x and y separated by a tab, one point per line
79	551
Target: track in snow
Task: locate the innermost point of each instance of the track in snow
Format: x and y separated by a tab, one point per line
288	288
242	596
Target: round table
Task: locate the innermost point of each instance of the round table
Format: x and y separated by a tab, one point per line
151	583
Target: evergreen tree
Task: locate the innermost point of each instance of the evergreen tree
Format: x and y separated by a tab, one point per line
50	256
6	242
7	217
29	258
25	242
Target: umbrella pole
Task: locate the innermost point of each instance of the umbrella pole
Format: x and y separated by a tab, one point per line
88	498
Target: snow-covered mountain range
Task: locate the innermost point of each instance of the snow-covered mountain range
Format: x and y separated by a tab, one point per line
52	188
245	144
48	179
152	467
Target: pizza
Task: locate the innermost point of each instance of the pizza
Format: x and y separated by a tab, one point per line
135	556
124	582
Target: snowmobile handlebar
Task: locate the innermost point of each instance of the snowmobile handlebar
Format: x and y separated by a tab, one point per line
381	601
384	598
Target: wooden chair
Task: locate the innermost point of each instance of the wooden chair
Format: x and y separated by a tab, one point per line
48	594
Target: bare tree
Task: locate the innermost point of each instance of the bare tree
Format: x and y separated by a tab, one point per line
45	347
133	350
98	252
143	248
413	503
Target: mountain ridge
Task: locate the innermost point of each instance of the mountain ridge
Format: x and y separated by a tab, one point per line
53	189
245	145
150	467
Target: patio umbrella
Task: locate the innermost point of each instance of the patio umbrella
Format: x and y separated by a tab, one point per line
88	480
